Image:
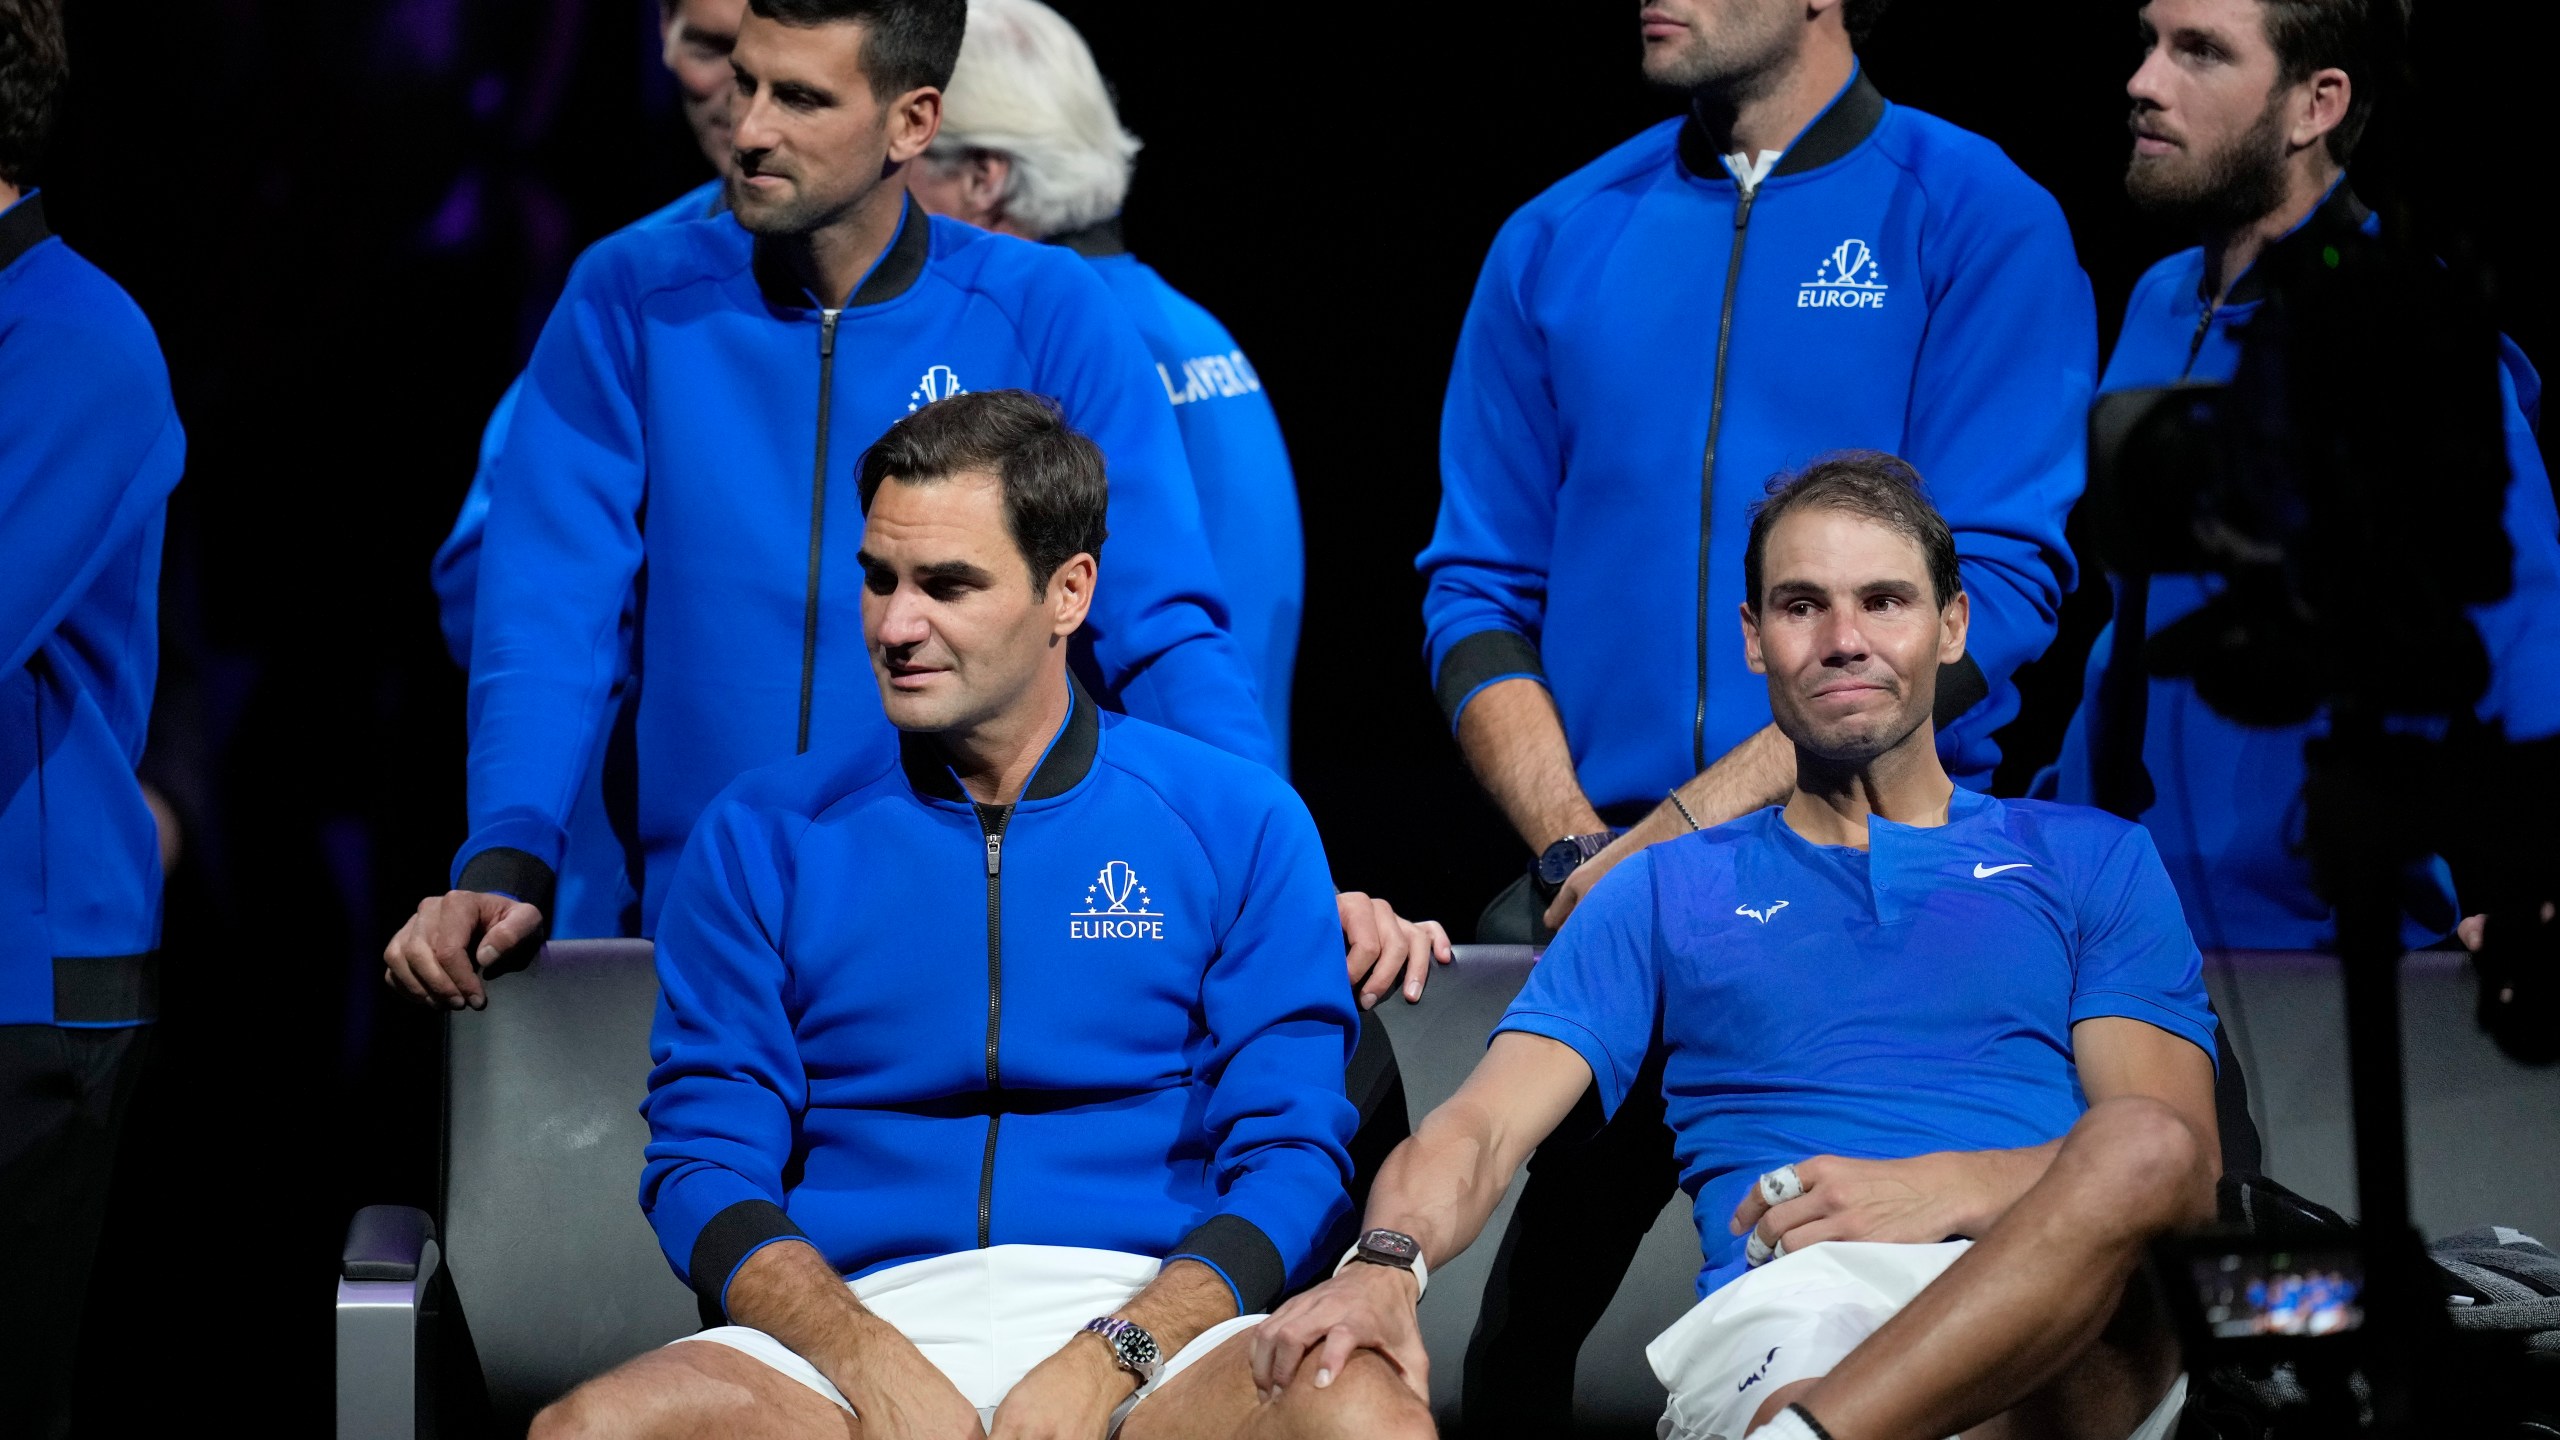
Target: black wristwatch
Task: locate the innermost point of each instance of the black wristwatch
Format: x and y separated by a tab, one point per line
1394	1249
1132	1348
1558	861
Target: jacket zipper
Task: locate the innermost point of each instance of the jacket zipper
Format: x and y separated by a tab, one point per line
1707	472
991	822
2195	342
817	522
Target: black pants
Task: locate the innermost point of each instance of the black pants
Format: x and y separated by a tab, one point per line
63	1096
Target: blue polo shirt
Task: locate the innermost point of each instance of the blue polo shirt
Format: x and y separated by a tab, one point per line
1913	997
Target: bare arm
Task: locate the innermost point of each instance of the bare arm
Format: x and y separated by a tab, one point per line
1515	743
1932	1197
1760	771
790	1292
1439	1187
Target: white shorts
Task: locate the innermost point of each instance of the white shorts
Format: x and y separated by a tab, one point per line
1795	1318
986	1317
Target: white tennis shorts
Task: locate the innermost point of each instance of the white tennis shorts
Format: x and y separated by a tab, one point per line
1795	1318
986	1317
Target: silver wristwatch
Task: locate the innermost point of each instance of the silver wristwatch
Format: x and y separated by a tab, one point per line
1131	1346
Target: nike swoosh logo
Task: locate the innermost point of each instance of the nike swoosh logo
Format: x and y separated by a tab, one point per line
1985	872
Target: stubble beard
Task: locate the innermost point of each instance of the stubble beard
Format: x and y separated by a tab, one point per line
1732	68
2223	190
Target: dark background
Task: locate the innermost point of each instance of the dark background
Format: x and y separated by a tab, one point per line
347	219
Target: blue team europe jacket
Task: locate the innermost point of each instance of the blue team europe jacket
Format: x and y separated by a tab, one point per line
902	1024
595	898
1649	344
89	450
683	447
2228	814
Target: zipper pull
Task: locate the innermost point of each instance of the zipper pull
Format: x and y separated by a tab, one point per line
1742	211
827	333
995	852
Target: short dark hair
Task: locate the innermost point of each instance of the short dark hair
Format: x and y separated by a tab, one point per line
1860	17
906	44
1055	493
1871	483
2309	36
32	69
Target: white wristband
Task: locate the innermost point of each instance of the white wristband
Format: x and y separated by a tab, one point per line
1421	1272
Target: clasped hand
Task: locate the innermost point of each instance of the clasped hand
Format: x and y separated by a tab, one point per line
1366	1307
1913	1202
1069	1396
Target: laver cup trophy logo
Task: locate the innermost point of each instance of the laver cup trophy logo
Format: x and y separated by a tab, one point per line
1116	907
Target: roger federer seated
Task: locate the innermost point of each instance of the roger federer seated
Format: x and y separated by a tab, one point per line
999	1086
1938	1065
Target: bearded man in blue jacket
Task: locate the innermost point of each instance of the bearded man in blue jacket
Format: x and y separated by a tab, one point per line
1793	267
2244	116
998	1079
699	388
90	448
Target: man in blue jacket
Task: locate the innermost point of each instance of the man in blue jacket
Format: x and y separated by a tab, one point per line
2244	116
1793	267
998	1077
89	451
674	446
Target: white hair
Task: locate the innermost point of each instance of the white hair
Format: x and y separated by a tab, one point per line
1027	88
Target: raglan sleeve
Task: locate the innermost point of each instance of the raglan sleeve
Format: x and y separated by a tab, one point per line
2522	631
89	450
1598	988
563	544
455	572
1159	618
726	1087
1998	427
1280	1011
1501	466
2135	959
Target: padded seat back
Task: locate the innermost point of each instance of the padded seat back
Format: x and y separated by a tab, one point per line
559	1274
1437	1043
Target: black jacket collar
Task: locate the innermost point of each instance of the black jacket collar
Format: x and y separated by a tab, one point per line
887	281
1834	133
1094	241
1070	756
2341	215
22	229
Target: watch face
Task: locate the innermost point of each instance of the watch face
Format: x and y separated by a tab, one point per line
1558	862
1390	1245
1137	1348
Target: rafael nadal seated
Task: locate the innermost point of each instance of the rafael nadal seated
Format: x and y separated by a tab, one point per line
998	1085
1939	1066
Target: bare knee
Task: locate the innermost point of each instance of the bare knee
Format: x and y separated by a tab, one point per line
574	1416
2150	1162
1367	1401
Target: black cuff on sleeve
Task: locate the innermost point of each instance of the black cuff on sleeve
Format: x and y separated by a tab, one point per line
725	1243
505	870
1482	657
1237	1249
1961	686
